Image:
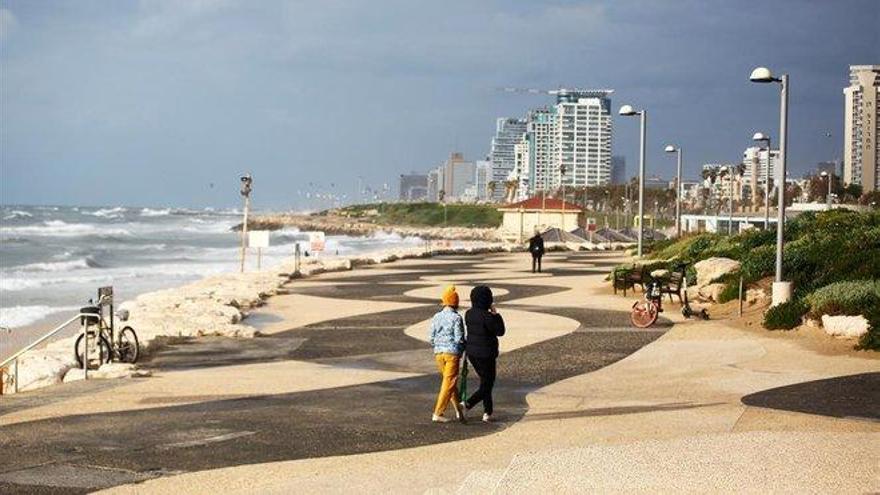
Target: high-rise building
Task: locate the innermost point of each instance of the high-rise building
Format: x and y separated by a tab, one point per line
482	179
583	139
861	148
413	187
542	143
435	184
618	169
756	160
458	174
508	132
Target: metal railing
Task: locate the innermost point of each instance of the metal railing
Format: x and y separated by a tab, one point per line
14	358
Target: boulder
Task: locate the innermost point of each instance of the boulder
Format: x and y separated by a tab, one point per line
713	268
845	326
711	292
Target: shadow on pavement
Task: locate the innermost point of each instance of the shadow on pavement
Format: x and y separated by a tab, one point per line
852	396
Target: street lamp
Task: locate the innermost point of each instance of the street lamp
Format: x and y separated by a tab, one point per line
729	171
781	290
628	111
760	137
677	149
828	177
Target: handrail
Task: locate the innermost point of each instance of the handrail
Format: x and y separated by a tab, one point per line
44	337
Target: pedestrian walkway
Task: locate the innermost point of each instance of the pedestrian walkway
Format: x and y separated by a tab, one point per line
338	395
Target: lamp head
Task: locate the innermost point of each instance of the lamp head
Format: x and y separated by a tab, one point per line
760	136
670	148
762	75
627	110
824	174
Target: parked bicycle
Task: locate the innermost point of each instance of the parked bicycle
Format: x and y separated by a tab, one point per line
644	313
105	344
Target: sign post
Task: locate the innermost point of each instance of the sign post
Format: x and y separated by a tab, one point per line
259	239
316	241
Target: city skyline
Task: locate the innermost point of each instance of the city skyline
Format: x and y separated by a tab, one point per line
183	97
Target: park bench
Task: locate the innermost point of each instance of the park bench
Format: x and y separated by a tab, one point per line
674	283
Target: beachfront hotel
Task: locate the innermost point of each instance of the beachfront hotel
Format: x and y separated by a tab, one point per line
861	149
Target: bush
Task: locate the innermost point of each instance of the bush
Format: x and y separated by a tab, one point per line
730	292
857	297
785	316
758	263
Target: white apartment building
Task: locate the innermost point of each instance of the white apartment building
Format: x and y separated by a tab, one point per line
756	160
583	139
861	147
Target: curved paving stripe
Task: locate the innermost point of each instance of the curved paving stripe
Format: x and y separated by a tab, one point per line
852	396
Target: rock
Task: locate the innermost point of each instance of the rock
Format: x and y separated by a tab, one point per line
845	326
711	292
713	268
755	295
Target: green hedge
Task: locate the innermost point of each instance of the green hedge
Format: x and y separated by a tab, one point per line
785	316
856	297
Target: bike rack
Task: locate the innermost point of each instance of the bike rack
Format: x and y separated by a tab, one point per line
14	358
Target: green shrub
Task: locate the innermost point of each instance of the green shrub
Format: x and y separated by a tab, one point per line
857	297
730	292
758	263
785	316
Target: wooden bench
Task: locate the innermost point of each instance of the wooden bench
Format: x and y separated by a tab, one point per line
674	284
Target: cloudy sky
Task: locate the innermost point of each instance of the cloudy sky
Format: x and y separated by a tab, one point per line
153	102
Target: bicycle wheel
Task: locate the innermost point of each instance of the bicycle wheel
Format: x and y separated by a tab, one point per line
98	354
129	350
643	314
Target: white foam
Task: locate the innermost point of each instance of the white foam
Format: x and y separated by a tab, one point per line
58	266
149	212
60	228
19	316
107	212
17	214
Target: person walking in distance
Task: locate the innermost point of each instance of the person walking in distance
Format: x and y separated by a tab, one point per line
447	339
536	247
484	326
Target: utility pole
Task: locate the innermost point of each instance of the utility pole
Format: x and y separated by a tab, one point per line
246	187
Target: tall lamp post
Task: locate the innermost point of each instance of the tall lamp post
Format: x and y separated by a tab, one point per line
677	150
247	183
781	290
760	137
628	111
828	177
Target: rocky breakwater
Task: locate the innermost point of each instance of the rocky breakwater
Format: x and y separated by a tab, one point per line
217	305
335	225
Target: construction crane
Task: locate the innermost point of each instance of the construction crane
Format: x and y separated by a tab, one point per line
560	93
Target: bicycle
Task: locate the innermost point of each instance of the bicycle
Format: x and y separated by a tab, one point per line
645	313
105	344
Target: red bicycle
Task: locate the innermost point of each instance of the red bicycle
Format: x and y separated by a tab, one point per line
645	313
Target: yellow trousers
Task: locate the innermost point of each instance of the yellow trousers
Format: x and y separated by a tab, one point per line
447	364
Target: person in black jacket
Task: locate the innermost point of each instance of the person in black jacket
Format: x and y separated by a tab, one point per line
536	247
484	325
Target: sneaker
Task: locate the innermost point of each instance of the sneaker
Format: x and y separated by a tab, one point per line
439	419
487	418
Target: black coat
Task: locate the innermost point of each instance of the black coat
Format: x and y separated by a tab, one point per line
483	330
536	245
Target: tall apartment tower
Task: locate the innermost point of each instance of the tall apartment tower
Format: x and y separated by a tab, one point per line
861	148
542	149
618	169
756	160
508	132
583	138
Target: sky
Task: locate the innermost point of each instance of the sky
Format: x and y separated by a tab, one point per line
167	102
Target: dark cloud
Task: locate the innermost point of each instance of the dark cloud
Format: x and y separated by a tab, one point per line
178	95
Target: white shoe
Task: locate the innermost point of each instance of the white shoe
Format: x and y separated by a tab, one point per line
439	419
487	418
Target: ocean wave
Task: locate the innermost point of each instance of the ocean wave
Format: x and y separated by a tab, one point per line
60	228
149	212
17	214
116	212
59	266
19	316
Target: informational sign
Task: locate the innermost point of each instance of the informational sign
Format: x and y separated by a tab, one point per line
258	238
316	241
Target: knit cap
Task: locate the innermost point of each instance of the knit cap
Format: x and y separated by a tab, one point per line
449	297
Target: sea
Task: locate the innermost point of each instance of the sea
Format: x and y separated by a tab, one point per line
53	258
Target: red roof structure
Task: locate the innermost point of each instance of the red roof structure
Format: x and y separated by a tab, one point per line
536	204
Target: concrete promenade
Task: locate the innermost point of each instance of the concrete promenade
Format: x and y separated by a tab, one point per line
337	396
